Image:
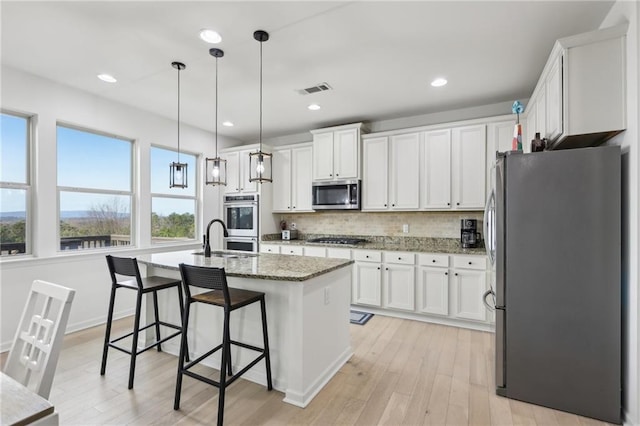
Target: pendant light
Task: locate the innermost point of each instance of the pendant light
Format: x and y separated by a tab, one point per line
260	162
216	168
178	171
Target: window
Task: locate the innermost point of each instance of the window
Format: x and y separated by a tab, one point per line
15	190
173	210
94	189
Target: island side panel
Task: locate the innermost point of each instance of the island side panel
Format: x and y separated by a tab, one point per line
320	341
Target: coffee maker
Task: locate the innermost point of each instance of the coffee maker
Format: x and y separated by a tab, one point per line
469	235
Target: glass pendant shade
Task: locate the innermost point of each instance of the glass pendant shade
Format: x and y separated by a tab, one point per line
260	162
216	168
260	167
178	175
178	170
216	171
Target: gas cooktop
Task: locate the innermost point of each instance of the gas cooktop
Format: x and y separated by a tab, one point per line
338	240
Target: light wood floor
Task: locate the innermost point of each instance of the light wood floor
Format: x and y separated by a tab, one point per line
402	373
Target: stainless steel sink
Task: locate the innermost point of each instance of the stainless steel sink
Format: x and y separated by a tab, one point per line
226	254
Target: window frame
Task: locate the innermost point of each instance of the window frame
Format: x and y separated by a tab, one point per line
27	186
195	197
132	193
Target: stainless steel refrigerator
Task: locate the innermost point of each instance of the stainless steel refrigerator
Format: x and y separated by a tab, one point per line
553	233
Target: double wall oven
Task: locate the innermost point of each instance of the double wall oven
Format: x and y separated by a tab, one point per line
241	215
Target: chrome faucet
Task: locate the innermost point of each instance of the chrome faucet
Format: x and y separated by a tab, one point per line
207	246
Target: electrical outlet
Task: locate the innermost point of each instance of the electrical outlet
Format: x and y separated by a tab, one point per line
405	228
293	226
326	296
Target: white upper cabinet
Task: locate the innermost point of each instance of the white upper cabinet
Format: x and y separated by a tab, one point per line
468	167
405	171
580	97
238	171
552	127
282	180
499	138
301	178
336	152
436	170
292	179
391	173
323	156
375	174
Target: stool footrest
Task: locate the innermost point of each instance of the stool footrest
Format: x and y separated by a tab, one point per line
166	324
146	348
244	345
229	380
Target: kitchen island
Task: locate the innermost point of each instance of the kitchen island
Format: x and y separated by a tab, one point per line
307	302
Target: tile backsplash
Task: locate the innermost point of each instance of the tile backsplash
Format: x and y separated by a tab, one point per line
421	224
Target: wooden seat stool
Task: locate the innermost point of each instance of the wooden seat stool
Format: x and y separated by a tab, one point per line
230	299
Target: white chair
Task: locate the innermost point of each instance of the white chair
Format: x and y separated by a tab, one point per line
34	353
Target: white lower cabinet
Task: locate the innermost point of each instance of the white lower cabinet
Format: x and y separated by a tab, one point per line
367	278
432	287
399	281
469	282
449	287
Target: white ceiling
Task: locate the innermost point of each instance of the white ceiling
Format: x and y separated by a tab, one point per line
379	57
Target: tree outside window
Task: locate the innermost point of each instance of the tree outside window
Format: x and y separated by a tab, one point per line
94	189
173	210
15	189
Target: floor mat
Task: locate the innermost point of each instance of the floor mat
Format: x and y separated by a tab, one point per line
360	318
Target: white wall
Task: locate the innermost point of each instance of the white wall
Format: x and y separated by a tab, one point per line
629	11
49	102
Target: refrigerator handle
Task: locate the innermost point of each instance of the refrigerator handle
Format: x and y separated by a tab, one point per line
489	228
484	299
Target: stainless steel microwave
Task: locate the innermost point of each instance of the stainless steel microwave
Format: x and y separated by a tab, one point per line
336	195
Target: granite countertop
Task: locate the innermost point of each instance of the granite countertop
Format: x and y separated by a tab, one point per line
413	244
264	266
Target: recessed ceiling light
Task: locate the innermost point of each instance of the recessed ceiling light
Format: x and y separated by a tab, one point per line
438	82
314	107
227	123
210	36
108	78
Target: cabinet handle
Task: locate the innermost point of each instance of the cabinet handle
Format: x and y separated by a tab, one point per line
399	258
457	204
386	269
456	274
433	260
385	205
294	207
367	256
448	204
330	174
237	189
378	268
470	263
337	174
393	205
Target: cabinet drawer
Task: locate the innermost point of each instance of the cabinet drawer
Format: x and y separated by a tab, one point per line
315	251
295	250
399	257
269	248
439	260
339	253
367	256
470	262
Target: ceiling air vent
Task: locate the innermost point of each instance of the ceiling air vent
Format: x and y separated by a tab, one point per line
320	87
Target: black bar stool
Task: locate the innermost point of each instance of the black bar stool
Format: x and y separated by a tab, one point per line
128	267
230	299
